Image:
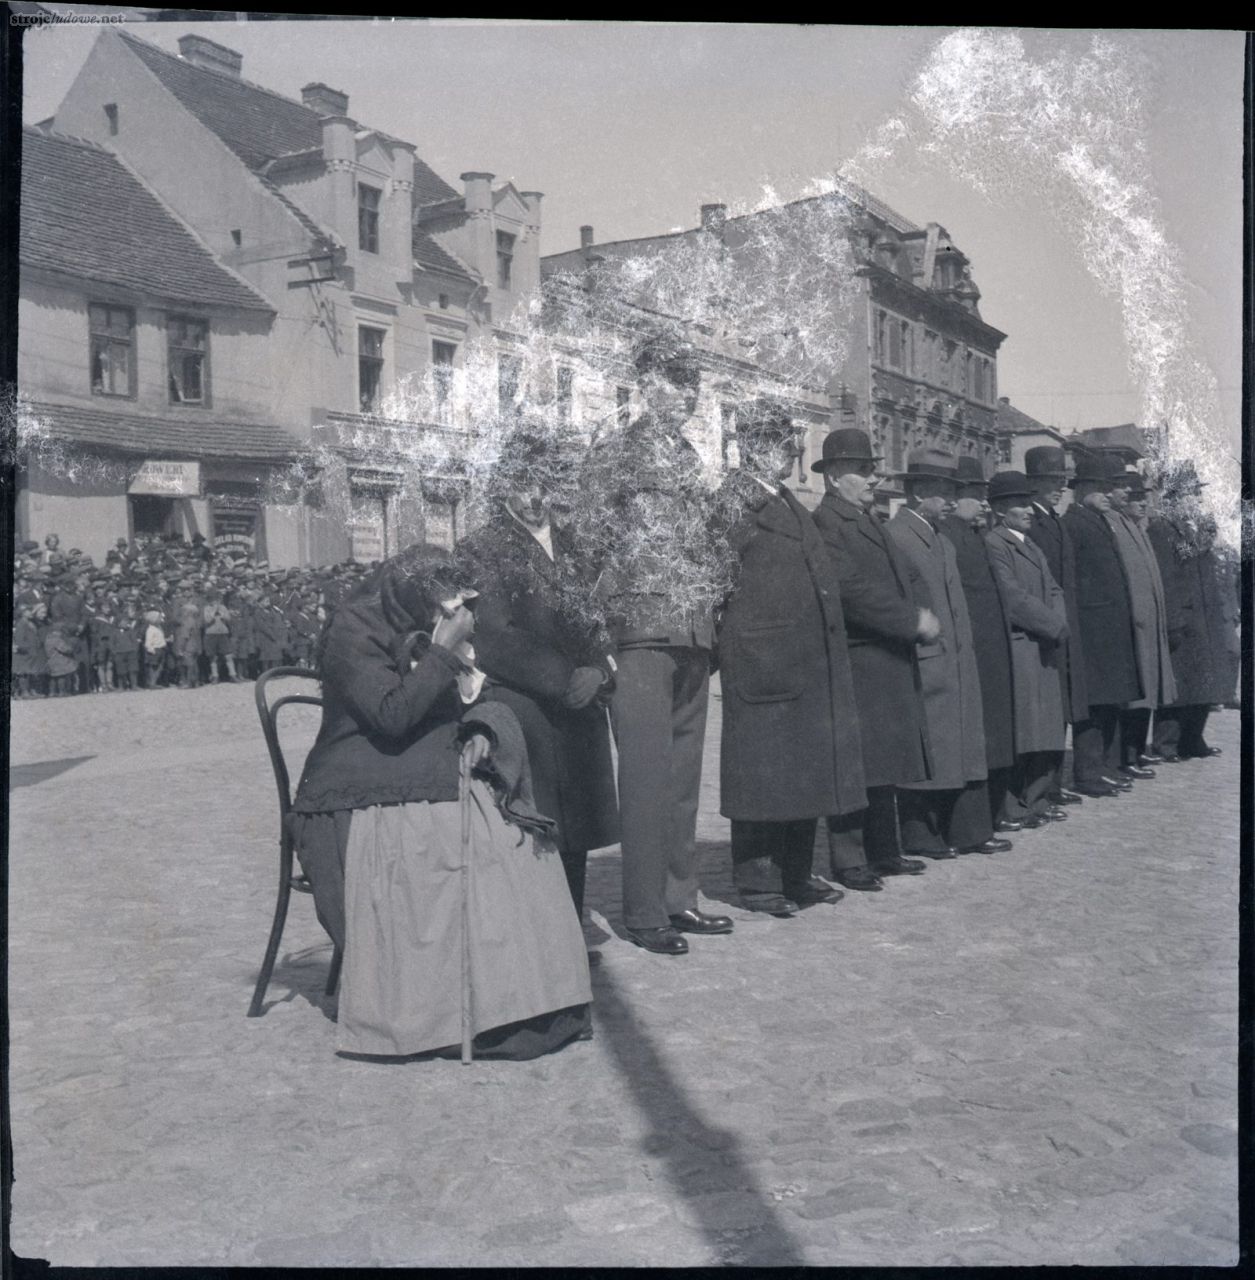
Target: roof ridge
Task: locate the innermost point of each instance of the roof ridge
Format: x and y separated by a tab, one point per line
221	75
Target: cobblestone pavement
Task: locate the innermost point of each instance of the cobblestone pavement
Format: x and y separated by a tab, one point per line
1025	1058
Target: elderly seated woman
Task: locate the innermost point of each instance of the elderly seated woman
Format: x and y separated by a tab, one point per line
379	832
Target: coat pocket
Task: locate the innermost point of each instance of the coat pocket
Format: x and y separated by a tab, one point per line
765	663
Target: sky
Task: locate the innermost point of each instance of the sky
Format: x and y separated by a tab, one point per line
630	127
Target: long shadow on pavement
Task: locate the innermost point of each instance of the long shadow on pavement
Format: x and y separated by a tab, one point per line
679	1133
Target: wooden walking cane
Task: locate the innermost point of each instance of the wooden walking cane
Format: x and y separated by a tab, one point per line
464	872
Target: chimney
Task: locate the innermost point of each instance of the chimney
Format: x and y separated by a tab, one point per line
210	56
478	191
713	218
325	100
586	238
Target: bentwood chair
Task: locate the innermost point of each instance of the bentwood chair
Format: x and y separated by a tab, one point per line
289	879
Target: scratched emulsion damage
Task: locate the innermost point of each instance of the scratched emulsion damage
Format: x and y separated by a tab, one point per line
1072	130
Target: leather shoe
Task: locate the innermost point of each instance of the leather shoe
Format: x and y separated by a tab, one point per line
1120	784
1065	797
773	904
1055	814
1150	758
1170	759
898	867
1098	789
1032	822
1006	824
814	892
1204	753
1135	771
988	846
665	940
694	921
859	878
937	855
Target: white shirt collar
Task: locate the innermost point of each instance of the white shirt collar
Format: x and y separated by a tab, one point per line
543	535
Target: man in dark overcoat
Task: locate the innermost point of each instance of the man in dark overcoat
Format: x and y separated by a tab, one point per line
1107	637
543	658
650	507
790	750
1146	593
965	528
1046	470
1199	596
949	811
886	616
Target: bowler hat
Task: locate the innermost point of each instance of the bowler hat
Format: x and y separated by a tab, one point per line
1045	460
1090	468
846	444
1009	484
929	462
969	470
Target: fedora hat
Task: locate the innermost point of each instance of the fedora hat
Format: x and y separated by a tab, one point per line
846	444
1009	484
1090	468
930	462
969	470
1045	460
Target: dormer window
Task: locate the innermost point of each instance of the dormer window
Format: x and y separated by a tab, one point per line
505	258
368	218
111	115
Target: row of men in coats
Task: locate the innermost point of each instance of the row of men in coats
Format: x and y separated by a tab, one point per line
909	682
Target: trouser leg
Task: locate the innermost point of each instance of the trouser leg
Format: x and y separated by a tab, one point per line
1037	773
691	693
1193	723
797	854
653	776
229	659
1091	739
969	821
920	813
1167	736
1112	750
575	867
756	856
1134	730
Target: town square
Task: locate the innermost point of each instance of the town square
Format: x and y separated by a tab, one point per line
627	644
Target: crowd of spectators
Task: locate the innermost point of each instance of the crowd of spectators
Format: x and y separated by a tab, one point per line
161	613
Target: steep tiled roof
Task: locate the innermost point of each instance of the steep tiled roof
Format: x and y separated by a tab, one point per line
319	233
84	213
178	435
257	124
427	253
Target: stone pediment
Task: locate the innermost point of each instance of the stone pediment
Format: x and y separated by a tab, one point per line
507	203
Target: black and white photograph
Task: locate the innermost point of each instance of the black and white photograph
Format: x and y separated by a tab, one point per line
627	641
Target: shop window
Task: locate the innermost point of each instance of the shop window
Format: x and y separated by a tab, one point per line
372	532
442	356
369	368
505	259
368	218
566	393
112	350
187	360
